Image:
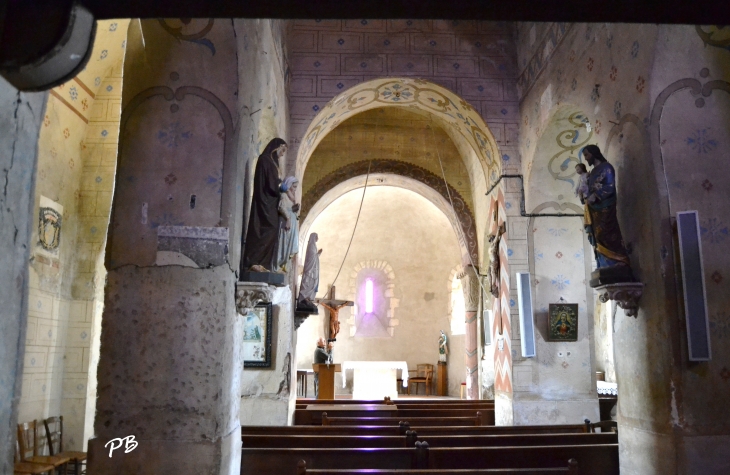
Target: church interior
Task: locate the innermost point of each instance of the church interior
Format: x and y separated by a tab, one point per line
434	164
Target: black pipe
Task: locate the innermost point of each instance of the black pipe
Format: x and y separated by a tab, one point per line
523	213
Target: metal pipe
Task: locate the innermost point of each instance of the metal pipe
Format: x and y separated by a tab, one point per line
523	213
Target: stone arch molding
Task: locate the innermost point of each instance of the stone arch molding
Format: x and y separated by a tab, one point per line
460	120
461	220
459	215
393	302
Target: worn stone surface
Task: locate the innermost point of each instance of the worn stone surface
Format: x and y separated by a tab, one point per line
21	115
170	363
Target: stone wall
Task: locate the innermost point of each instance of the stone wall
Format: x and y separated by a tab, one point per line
640	87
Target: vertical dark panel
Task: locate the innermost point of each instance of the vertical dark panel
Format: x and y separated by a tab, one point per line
693	282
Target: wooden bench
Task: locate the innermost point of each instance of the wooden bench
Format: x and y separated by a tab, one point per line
399	402
314	416
476	420
422	430
571	469
601	459
394	441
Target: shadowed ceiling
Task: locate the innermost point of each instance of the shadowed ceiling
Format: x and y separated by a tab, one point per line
389	134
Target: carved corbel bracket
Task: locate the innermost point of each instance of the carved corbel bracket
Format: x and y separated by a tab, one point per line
250	294
626	294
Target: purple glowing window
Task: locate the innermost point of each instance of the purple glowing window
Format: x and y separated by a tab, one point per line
369	296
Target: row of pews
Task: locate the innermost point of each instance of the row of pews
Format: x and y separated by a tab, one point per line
424	437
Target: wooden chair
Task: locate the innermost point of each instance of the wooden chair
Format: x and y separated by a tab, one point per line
28	444
29	468
424	375
54	435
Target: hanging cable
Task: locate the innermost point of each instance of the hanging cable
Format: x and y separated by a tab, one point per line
357	219
362	200
459	231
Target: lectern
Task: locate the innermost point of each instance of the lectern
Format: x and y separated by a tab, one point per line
326	379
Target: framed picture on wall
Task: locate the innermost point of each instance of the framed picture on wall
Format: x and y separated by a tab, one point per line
257	337
563	322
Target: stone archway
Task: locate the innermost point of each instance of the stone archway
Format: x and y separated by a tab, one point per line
382	179
463	123
458	119
461	216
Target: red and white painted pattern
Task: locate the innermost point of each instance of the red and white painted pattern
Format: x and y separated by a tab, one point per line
501	326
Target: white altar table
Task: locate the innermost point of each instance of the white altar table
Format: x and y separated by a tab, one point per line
374	379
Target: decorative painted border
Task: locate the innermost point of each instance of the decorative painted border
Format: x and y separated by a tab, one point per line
540	59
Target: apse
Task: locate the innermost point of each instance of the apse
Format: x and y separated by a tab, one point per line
398	272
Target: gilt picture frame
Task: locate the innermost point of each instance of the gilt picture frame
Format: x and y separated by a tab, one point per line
257	326
563	322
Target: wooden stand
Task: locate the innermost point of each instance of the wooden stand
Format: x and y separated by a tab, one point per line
326	379
442	385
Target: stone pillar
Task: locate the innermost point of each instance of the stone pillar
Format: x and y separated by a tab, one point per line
171	356
470	284
20	121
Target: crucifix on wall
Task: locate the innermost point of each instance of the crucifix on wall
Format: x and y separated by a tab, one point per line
333	306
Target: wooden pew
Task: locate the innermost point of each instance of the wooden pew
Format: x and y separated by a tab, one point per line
475	420
593	459
355	441
571	469
314	416
399	402
422	430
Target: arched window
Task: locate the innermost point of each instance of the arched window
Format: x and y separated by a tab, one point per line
372	284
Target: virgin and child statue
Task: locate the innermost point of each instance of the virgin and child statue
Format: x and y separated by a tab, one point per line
600	220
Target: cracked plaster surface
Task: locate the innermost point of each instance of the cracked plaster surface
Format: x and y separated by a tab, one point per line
20	120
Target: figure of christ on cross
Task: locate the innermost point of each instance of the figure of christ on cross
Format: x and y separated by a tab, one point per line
334	307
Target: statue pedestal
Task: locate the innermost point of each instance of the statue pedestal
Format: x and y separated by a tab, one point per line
270	278
611	275
626	294
250	294
442	385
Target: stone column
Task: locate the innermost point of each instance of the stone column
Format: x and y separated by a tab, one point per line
171	340
20	121
470	284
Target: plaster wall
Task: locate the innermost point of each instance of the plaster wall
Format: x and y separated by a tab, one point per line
632	82
76	164
412	241
21	116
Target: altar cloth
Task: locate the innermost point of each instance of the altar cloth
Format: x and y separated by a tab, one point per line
607	389
374	379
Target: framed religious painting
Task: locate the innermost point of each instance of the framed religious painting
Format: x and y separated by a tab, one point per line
257	337
563	322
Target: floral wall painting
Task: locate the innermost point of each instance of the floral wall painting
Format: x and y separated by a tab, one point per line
257	337
563	322
50	219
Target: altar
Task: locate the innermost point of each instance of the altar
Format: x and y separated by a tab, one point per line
374	379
